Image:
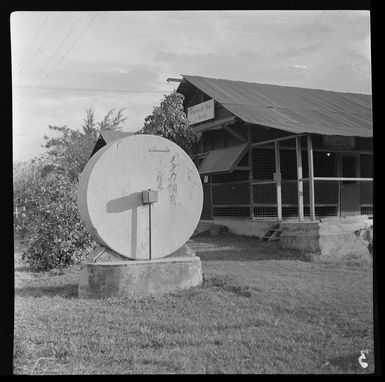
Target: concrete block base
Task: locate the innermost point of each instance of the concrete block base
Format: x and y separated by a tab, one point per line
139	278
331	240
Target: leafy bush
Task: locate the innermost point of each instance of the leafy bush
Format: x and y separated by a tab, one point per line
169	121
26	178
71	149
45	189
51	227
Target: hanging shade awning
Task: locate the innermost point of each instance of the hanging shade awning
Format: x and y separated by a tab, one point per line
222	160
108	136
112	135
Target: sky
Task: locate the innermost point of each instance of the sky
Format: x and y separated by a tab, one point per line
63	63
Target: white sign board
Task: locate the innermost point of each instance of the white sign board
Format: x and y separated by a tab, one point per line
201	112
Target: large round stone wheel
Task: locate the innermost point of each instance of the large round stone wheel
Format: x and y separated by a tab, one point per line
110	196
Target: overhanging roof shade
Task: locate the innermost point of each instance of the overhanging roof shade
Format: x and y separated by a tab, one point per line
293	109
222	160
111	135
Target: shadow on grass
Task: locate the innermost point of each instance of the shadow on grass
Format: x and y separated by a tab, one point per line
237	248
240	255
65	291
229	284
23	268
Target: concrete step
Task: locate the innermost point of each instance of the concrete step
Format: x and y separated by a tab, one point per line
272	234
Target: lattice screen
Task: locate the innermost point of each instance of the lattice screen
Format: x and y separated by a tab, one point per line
265	199
231	192
263	162
232	211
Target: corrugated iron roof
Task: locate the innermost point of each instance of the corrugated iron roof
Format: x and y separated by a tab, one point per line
112	135
293	109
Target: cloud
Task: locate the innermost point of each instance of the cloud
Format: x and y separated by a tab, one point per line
165	56
243	66
110	75
299	66
293	51
32	124
139	50
60	105
214	64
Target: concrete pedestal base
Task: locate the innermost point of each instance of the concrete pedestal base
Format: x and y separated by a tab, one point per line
331	240
139	278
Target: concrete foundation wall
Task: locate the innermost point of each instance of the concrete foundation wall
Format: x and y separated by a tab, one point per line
302	236
243	227
103	274
333	239
139	278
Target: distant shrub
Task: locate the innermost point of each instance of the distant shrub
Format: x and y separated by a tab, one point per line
45	194
27	177
51	228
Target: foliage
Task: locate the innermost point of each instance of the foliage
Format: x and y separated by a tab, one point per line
71	149
26	178
27	174
45	188
54	234
169	121
111	121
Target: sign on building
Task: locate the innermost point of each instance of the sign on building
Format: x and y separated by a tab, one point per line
201	112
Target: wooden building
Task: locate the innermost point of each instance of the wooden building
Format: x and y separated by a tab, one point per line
274	153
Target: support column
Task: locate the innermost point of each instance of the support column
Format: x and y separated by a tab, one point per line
299	178
339	175
250	154
211	197
278	180
311	177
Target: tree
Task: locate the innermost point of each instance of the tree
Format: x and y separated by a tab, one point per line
169	121
55	235
71	150
46	187
26	178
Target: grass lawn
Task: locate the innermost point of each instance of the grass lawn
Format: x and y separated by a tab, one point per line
259	310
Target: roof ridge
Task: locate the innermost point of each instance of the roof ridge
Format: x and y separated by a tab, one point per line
275	85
